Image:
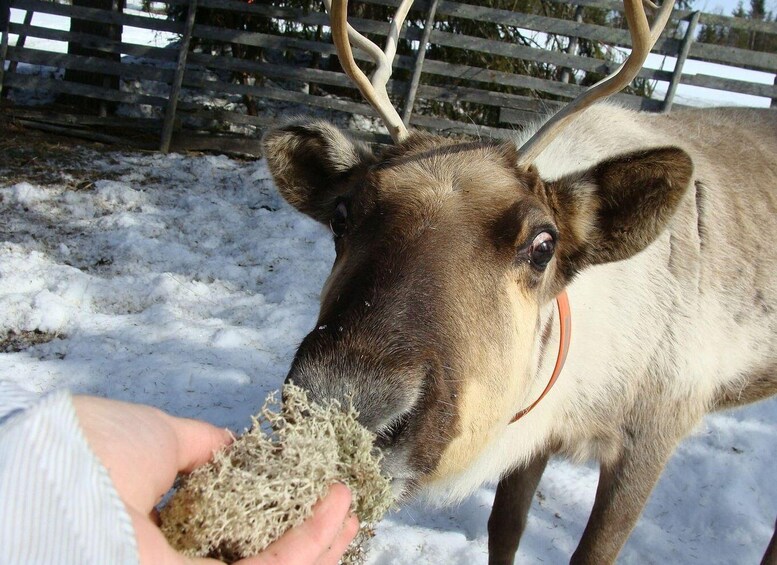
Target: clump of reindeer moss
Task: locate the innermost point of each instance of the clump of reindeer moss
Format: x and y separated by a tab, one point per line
268	480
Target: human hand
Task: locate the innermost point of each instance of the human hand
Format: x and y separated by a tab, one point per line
144	449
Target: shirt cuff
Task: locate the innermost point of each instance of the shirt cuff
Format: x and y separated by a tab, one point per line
59	504
14	400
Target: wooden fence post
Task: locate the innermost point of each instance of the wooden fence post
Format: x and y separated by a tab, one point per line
175	88
572	47
22	39
419	63
5	20
114	33
685	47
19	43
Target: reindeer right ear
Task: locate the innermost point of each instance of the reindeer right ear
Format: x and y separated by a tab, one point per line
311	164
617	208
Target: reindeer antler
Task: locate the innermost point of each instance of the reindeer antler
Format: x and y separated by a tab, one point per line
374	91
643	37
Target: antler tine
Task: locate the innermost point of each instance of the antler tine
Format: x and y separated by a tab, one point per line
643	37
375	90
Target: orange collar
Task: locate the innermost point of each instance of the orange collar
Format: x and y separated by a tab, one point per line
565	327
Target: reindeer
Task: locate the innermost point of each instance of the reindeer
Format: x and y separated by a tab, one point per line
462	266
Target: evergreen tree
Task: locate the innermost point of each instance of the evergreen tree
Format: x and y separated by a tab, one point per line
740	37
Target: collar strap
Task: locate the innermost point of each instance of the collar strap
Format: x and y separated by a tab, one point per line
565	327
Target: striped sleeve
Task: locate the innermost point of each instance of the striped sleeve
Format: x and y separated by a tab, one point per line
14	399
57	502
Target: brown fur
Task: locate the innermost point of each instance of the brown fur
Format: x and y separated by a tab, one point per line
435	320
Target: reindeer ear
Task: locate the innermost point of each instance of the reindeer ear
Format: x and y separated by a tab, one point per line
619	207
311	164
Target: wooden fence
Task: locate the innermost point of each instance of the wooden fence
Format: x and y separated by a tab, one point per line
170	91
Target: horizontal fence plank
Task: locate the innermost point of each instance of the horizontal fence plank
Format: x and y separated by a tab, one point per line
518	117
734	56
707	18
730	85
432	67
65	119
33	56
714	53
523	103
84	63
206	118
539	23
665	45
230	145
445	126
97	15
556	58
197	79
96	42
40	83
279	94
73	132
737	23
479	74
219	143
446	39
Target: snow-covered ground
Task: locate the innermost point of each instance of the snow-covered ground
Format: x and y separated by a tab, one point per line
186	282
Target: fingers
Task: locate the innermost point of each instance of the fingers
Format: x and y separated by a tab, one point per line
143	449
154	518
197	441
321	540
344	538
153	548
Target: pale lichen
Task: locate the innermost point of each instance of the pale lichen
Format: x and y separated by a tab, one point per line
268	480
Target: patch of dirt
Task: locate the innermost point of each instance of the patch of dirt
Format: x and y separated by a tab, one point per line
41	158
13	342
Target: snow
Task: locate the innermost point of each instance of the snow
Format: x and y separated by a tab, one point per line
186	282
706	97
728	6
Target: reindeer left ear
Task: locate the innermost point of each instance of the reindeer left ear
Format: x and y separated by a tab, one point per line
311	162
619	207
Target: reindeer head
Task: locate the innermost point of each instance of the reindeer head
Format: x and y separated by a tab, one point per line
447	255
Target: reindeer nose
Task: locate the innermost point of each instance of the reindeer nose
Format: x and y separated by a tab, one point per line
379	386
345	382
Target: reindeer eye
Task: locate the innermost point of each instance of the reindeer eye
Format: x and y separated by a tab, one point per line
541	250
339	222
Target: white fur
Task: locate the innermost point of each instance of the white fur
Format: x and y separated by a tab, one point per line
619	312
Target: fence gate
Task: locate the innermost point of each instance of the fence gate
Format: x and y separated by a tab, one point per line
234	67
